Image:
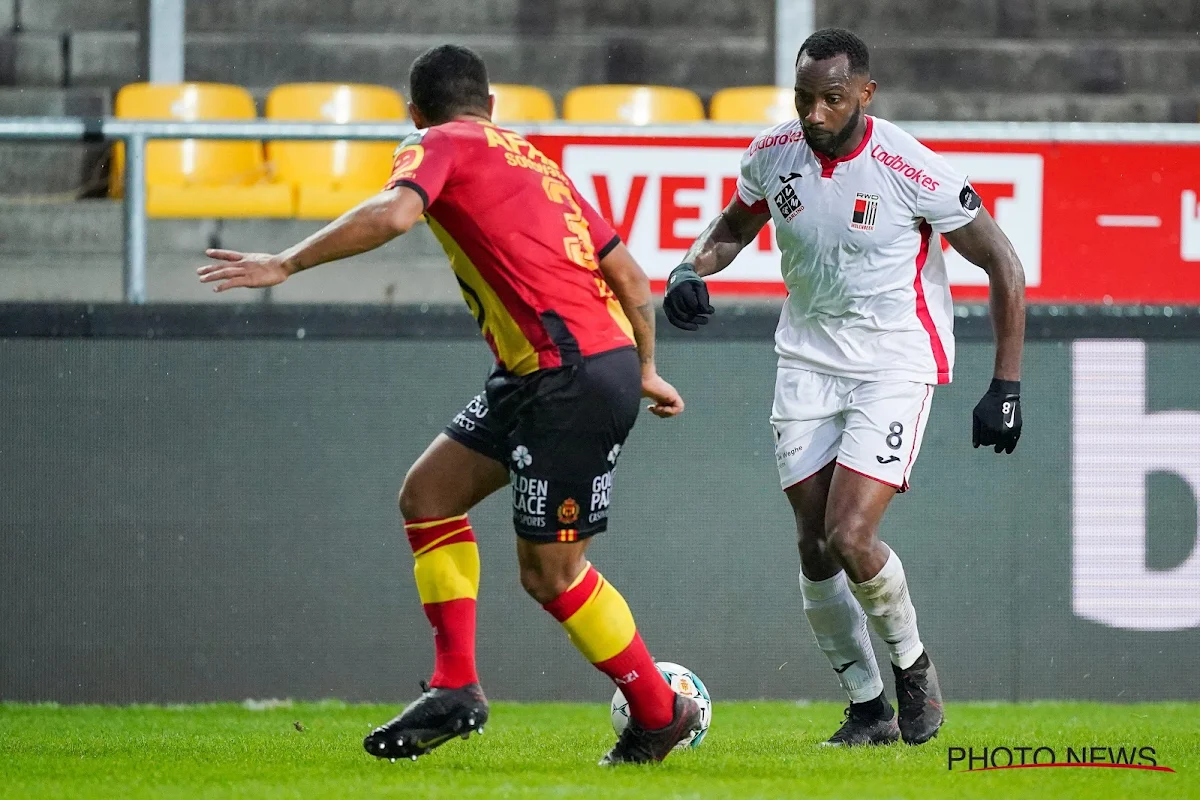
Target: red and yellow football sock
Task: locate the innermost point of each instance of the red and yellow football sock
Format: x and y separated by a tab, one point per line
599	623
447	572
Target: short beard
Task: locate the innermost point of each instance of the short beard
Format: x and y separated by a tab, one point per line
843	136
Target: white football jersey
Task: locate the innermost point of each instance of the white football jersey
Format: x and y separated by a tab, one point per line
868	296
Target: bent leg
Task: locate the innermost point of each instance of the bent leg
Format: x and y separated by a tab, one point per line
440	488
856	507
837	621
598	622
449	479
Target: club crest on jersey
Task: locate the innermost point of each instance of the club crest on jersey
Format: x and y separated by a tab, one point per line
788	202
866	208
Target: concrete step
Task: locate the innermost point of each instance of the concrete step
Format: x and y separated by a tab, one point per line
171	278
450	18
1135	18
94	227
32	59
880	21
52	170
104	58
446	17
559	63
72	251
32	101
75	15
896	20
1034	107
1008	65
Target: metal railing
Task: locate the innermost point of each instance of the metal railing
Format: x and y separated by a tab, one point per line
135	134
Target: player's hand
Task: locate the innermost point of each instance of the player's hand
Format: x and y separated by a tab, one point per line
686	301
248	270
667	401
997	417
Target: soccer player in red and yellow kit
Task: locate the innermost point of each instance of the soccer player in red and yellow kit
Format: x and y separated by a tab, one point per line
568	314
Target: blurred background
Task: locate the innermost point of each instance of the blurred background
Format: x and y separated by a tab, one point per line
963	60
197	494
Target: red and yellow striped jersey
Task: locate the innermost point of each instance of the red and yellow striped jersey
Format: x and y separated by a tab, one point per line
523	243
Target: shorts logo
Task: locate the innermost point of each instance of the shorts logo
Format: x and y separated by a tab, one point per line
568	511
521	457
612	454
782	456
866	208
529	500
601	492
788	202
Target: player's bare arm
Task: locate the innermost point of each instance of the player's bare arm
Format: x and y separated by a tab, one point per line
371	224
997	418
632	288
686	302
986	246
725	237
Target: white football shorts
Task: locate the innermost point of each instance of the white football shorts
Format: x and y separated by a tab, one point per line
873	428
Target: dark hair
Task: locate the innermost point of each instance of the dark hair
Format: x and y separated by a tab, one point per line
830	42
447	80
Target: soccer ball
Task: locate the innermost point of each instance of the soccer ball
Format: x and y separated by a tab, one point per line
684	682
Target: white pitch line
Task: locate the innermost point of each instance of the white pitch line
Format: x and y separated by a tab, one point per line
1128	221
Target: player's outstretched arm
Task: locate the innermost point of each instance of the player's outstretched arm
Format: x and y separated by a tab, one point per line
686	302
374	222
632	288
997	418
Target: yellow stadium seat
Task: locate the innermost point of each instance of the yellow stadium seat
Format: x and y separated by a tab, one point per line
632	105
516	103
769	105
198	177
332	177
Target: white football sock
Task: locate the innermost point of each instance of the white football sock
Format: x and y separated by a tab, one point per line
886	601
840	627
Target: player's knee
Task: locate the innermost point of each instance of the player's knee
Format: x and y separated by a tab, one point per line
544	583
416	502
851	540
813	548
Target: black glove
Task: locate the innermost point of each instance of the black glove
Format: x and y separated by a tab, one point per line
686	301
997	418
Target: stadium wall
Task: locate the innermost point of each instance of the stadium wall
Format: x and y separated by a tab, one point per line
199	504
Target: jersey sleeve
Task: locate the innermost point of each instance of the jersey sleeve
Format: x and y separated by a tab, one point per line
604	238
749	189
423	162
945	198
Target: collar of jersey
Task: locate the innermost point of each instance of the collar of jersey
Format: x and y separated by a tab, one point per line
827	164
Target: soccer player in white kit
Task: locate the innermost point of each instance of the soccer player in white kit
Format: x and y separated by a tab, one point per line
865	335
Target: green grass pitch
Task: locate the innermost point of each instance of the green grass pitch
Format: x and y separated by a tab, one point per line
759	749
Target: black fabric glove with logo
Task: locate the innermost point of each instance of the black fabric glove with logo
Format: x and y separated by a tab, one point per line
997	417
686	302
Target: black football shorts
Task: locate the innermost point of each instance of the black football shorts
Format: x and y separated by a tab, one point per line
559	431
